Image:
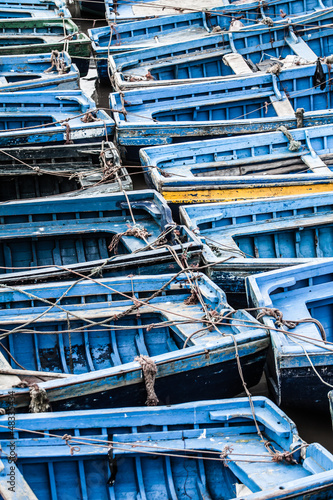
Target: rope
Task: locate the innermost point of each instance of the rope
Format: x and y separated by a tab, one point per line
39	402
149	370
294	145
57	61
299	113
137	231
279	321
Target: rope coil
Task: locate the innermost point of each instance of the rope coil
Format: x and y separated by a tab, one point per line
294	145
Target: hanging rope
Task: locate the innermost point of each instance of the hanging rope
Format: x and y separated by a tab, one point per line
57	62
294	145
299	113
39	402
149	370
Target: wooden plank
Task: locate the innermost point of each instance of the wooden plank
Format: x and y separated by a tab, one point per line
237	63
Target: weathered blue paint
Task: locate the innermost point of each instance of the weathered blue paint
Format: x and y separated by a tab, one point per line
204	59
258	236
178	113
243	162
28	73
299	292
58	8
100	360
22	110
56	170
142	439
63	234
252	11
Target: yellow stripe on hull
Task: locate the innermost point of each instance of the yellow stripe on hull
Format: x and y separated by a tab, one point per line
221	195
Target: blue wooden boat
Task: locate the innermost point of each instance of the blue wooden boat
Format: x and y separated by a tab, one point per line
40	36
169	451
40	71
243	167
51	117
32	172
330	399
223	54
37	228
57	7
300	360
167	30
239	106
96	329
247	12
261	235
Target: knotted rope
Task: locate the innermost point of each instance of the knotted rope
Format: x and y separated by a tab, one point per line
267	21
137	231
67	438
279	321
149	370
89	117
275	69
39	402
299	113
58	62
294	145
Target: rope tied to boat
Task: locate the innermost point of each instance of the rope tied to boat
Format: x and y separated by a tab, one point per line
89	117
279	321
39	402
293	144
275	69
58	63
299	113
149	370
137	231
225	452
267	21
68	134
72	449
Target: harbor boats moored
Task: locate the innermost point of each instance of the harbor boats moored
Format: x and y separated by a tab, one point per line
56	8
111	235
38	36
224	54
38	72
172	451
52	116
296	303
259	103
261	235
79	170
243	167
95	330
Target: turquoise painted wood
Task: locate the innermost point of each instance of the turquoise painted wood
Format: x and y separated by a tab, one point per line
261	235
166	115
242	162
299	292
41	117
31	72
213	57
91	334
51	238
142	438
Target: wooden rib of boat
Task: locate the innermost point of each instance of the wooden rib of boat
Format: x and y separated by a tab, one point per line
239	106
54	116
300	359
40	36
261	235
223	54
33	172
96	329
51	239
38	72
125	453
242	167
